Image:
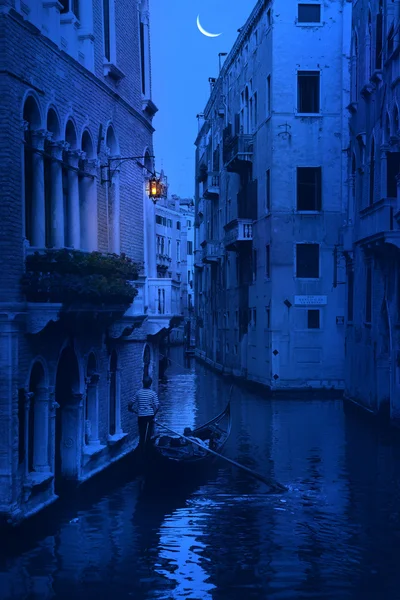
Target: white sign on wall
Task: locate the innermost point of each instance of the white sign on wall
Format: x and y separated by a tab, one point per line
310	300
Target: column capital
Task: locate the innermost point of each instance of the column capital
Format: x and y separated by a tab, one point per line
39	136
29	396
91	165
384	148
74	156
57	148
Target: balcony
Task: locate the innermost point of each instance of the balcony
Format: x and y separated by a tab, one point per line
238	231
211	252
198	259
164	297
163	262
348	237
377	218
211	185
238	152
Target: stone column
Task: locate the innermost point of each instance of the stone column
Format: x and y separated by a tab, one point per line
57	197
352	199
29	396
53	406
38	199
118	428
71	436
384	149
88	207
115	213
41	430
92	399
73	210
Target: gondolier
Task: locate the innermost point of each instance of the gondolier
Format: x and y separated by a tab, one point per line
145	404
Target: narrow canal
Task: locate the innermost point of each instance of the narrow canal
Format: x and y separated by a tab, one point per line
334	534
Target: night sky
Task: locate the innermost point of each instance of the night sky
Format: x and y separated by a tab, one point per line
182	61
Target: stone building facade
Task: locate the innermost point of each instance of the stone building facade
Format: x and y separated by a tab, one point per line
76	99
271	197
174	260
371	239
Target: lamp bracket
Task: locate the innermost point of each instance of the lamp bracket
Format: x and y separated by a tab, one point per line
112	169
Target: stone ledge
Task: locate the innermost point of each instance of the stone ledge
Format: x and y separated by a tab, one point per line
93	449
116	438
36	479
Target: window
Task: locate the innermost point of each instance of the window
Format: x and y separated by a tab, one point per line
178	251
70	6
308	92
106	26
309	13
190	247
308	188
159	219
350	295
188	224
169	247
254	265
372	174
269	20
379	37
267	317
268	95
393	169
368	295
267	261
169	222
268	190
178	225
307	261
313	319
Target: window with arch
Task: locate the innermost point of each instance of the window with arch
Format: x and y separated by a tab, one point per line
353	184
372	173
395	120
379	37
368	47
355	59
37	423
70	6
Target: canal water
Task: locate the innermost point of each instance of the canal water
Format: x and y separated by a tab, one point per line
335	534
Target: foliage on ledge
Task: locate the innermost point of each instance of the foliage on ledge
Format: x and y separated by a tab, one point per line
75	277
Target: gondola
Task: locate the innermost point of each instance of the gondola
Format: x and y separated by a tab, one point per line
168	453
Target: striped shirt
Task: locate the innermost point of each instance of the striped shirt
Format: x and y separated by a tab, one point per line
145	403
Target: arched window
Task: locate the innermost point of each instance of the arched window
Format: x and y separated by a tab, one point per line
368	47
354	69
146	361
387	129
354	184
88	195
379	37
113	394
91	404
71	188
37	422
395	120
372	174
52	179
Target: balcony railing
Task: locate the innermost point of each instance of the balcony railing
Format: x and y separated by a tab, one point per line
238	231
377	218
163	261
211	185
237	151
76	278
211	252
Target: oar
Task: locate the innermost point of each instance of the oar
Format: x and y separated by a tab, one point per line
275	485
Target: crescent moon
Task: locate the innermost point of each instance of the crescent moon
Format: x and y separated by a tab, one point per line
203	31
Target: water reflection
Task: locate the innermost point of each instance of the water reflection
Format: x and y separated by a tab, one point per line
224	536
